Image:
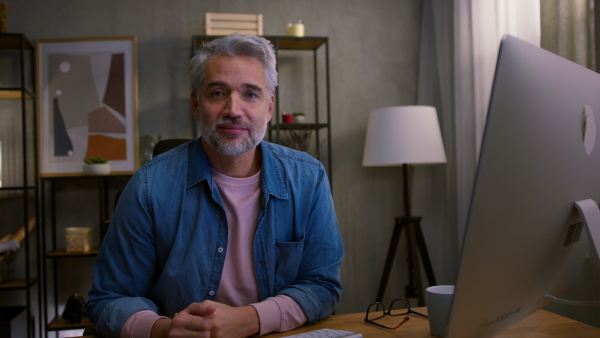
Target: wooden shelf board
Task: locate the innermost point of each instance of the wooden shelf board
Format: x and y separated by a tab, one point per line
62	253
300	126
18	283
112	175
59	323
284	42
18	188
9	94
14	41
294	43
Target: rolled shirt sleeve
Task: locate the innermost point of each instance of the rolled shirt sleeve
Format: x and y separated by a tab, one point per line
139	324
278	314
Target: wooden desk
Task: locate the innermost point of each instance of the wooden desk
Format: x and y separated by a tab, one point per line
540	324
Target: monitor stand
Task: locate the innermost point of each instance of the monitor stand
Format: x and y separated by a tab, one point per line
589	211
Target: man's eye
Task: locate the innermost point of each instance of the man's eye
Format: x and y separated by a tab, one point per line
217	93
251	95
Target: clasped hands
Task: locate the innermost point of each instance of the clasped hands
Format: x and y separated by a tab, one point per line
209	319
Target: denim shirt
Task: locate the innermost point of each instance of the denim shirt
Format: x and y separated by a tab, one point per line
166	245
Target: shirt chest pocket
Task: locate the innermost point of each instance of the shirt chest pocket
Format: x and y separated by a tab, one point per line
288	256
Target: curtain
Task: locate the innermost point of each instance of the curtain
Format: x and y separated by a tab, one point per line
435	88
490	21
459	46
568	30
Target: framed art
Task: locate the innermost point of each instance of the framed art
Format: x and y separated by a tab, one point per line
87	104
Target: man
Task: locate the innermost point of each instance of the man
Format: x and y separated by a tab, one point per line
226	235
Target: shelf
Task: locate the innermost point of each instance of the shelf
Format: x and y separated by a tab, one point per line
19	73
18	188
18	283
12	94
300	126
59	323
62	253
283	42
14	41
295	43
54	255
112	175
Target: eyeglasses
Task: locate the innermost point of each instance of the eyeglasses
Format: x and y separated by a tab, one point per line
398	307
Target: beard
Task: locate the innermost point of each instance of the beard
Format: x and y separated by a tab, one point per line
228	145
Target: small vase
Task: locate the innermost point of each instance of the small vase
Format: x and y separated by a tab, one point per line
299	118
96	169
287	118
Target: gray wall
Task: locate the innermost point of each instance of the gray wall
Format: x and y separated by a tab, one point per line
373	54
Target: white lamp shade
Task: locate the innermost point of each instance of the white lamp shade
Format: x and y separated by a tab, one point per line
403	134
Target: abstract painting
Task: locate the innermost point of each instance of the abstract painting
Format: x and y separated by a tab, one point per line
87	104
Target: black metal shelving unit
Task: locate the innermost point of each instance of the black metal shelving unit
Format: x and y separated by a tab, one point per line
322	115
18	166
53	321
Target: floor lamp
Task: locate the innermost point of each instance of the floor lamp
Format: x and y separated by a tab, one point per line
405	135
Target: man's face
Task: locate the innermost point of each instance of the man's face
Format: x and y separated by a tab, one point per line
233	105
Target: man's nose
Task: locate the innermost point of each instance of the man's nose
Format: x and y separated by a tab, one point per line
233	107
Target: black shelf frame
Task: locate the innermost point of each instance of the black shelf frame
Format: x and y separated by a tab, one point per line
51	252
20	43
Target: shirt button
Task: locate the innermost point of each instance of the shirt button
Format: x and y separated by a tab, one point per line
211	293
220	250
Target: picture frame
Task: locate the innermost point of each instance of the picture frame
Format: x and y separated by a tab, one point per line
87	104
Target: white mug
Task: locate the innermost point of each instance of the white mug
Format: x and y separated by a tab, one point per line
439	302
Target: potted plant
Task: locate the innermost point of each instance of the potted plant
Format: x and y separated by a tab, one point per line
299	117
96	166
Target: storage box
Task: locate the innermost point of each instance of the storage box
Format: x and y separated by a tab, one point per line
228	23
78	239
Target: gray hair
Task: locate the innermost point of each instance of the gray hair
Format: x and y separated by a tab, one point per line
236	45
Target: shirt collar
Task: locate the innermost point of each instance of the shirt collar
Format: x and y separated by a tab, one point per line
272	182
198	164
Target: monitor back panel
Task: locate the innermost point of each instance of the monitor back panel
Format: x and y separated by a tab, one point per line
533	166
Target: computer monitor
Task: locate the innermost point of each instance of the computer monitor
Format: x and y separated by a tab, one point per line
524	237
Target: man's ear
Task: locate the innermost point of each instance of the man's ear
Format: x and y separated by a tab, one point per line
195	109
271	107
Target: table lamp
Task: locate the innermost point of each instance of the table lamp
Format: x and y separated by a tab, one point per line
405	135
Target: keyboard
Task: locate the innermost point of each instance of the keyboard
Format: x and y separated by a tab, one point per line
327	333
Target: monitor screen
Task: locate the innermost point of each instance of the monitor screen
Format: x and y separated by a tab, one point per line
524	237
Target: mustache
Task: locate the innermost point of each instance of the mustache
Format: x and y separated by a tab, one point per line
232	120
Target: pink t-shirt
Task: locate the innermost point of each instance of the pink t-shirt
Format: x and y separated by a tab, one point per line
238	286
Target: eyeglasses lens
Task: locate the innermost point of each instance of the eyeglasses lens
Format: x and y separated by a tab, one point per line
399	307
375	311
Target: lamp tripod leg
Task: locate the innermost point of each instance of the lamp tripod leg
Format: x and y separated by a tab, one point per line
416	246
417	241
390	259
424	254
415	283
